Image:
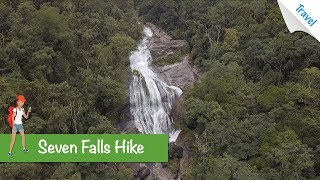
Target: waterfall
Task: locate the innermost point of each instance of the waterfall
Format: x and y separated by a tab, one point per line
150	98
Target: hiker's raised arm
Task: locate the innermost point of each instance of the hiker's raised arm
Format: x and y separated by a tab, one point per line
26	116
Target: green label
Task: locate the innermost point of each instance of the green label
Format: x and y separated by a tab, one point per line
86	148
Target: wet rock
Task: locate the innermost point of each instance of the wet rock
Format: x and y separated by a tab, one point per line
162	45
186	161
164	165
178	74
143	173
175	151
125	123
178	113
163	49
159	34
162	173
127	127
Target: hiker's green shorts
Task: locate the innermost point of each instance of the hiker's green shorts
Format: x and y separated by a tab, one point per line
19	127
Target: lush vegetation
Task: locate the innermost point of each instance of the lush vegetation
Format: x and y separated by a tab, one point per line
253	115
255	112
69	58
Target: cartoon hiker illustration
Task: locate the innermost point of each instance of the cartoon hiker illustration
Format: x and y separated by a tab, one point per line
15	121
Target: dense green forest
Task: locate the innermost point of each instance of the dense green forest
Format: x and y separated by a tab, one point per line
69	58
255	112
253	115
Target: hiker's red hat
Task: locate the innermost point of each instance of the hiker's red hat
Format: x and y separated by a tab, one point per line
21	98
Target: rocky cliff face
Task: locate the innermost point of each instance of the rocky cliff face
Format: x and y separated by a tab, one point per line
179	74
182	75
162	44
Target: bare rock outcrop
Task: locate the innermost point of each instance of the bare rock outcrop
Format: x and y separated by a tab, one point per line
179	74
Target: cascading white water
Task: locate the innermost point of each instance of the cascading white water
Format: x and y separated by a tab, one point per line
150	98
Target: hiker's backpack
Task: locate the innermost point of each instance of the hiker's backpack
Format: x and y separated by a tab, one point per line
10	120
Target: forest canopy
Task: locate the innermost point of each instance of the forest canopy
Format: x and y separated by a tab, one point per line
255	112
69	59
253	115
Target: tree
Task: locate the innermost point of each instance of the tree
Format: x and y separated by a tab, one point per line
284	155
231	40
226	167
122	45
